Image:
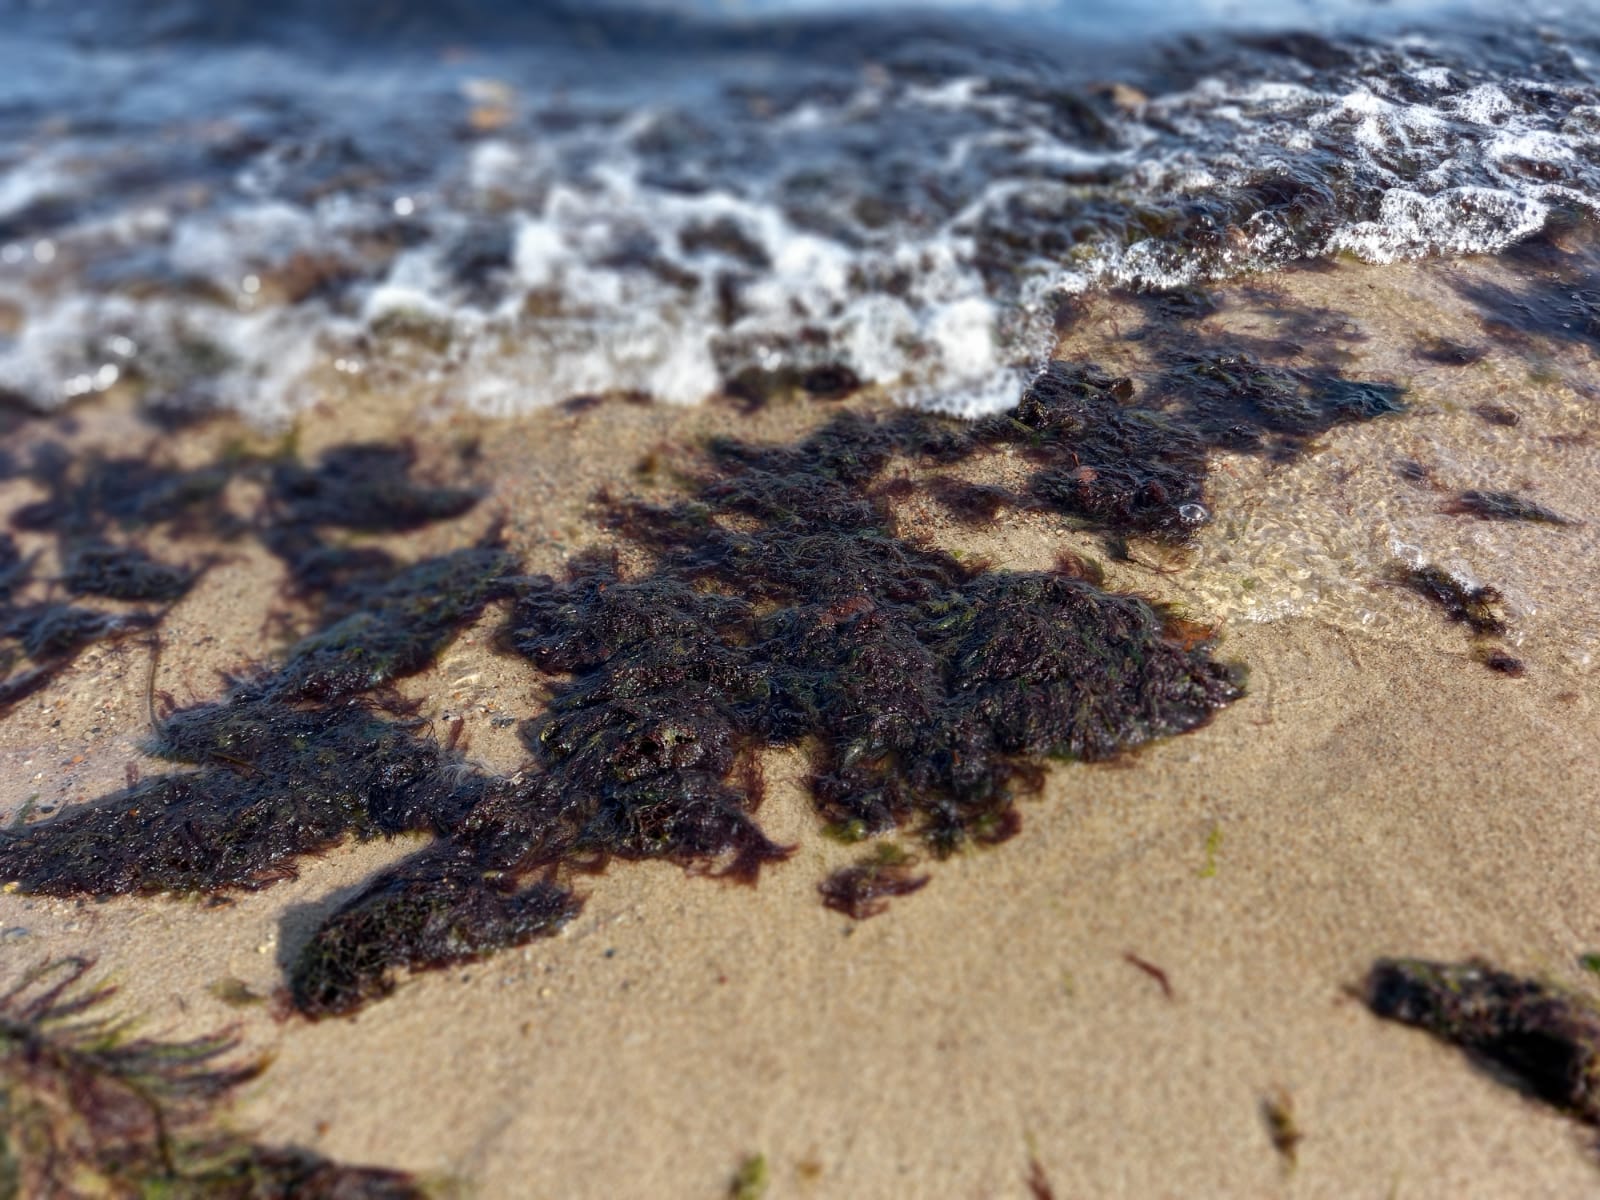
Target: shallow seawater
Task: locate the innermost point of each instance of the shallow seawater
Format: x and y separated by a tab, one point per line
215	205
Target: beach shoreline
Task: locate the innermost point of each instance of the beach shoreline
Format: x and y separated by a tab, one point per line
1378	791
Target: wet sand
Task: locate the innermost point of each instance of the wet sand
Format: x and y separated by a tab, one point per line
1378	792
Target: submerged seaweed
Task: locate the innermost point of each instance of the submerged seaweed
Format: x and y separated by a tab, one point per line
1137	464
1503	506
1450	354
1476	607
1557	299
88	1110
1546	1037
1497	414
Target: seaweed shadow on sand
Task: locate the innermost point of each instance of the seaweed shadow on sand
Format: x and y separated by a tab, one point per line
779	607
88	1109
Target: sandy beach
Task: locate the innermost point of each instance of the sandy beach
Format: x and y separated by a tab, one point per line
1377	792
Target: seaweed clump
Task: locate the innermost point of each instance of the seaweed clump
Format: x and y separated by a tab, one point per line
1503	506
441	911
86	1109
780	608
362	487
397	628
1476	607
1138	466
96	507
91	508
861	891
783	608
293	761
1547	1038
124	573
278	778
1505	664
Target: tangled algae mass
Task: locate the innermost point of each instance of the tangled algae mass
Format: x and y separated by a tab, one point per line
87	1109
781	607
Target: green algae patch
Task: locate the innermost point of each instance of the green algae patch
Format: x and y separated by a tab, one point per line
751	1180
1283	1128
1545	1037
235	993
1213	848
87	1109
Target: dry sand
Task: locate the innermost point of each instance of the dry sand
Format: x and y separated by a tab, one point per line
1379	792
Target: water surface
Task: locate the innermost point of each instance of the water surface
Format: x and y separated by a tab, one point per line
215	204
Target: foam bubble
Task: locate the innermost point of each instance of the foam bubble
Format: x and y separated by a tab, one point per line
1458	221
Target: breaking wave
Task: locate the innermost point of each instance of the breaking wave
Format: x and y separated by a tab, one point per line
902	201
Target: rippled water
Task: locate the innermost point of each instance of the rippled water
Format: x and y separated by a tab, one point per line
212	204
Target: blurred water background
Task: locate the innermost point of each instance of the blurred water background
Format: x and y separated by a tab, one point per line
212	203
